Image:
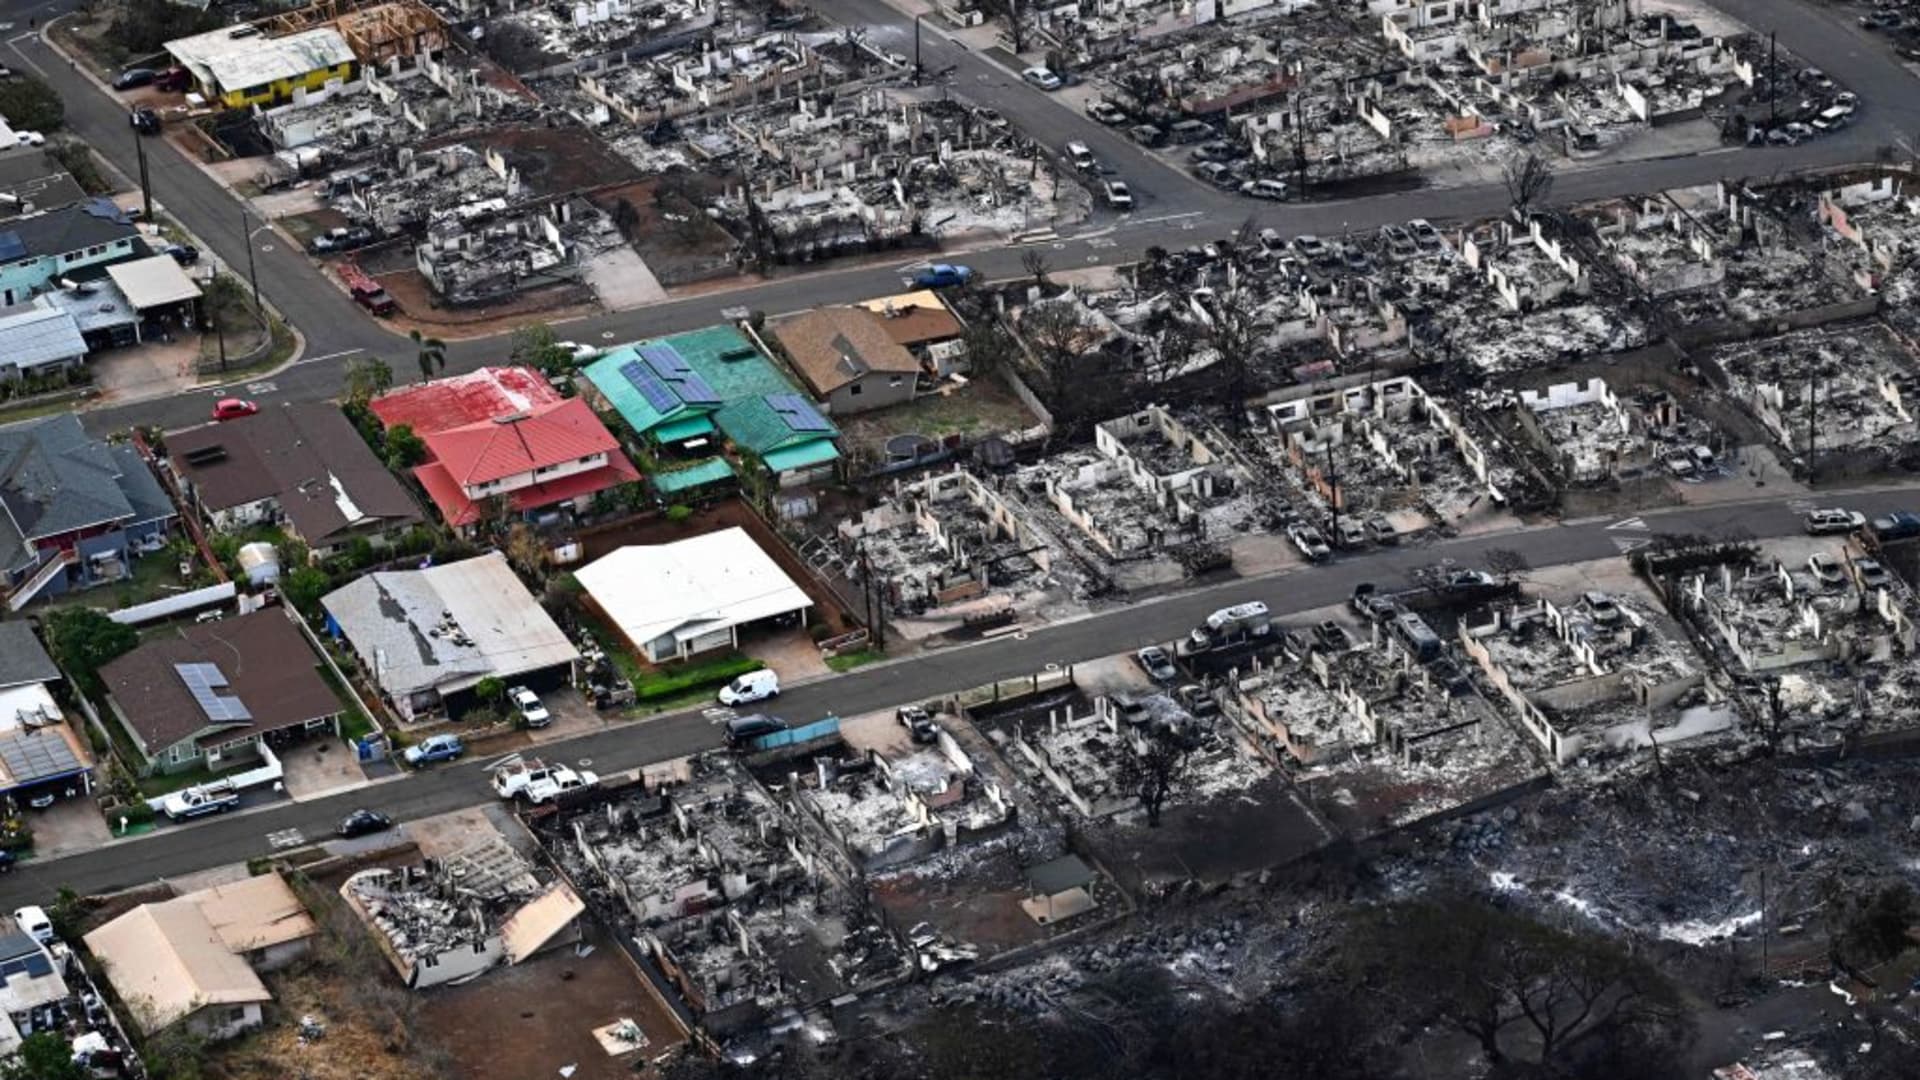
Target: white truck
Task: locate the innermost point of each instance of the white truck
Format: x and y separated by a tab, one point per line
215	798
511	779
559	782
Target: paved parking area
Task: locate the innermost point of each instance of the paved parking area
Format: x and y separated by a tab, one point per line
791	653
572	715
68	826
317	767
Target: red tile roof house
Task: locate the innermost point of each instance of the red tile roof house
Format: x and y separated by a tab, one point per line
505	432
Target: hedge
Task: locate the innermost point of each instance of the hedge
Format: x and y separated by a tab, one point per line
709	673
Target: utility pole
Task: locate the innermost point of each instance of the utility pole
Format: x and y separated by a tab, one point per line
146	183
1773	78
1333	492
1813	398
917	70
246	237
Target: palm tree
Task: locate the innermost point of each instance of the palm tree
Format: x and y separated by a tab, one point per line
431	352
367	378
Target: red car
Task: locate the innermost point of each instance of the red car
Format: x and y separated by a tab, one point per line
233	409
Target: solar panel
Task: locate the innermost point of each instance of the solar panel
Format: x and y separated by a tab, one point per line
203	680
673	368
37	755
798	412
644	380
38	966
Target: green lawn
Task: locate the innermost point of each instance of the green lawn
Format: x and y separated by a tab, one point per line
152	787
847	661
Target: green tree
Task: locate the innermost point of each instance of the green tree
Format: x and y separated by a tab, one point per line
367	377
430	353
43	1055
304	587
84	640
31	105
535	346
404	448
490	690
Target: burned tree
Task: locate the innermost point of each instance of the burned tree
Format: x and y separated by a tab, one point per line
1036	265
1155	771
1507	563
1529	181
1055	336
1526	992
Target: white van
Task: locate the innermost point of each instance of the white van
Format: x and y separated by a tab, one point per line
1081	155
34	923
753	686
1832	119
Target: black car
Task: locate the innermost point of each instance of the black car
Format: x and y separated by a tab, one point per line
134	77
184	254
919	723
145	121
744	729
364	823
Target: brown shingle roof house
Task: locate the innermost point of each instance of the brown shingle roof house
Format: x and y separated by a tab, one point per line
848	359
211	691
302	463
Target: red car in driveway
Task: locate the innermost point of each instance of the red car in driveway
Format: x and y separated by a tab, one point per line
233	409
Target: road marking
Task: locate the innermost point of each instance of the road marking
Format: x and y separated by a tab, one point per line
716	715
1802	506
261	388
1628	523
285	838
1625	545
1103	242
329	356
1166	217
1093	258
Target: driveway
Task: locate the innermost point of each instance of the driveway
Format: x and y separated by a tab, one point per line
319	767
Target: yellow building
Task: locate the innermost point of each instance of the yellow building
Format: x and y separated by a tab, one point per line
239	66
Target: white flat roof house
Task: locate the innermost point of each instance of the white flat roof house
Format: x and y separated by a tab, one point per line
674	600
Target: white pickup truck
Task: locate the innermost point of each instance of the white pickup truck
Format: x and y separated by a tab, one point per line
560	781
215	798
510	781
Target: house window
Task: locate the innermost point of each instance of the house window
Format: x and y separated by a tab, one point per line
178	753
895	381
237	1015
96	250
588	460
855	389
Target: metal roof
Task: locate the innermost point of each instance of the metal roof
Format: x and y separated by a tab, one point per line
153	282
39	336
30	757
245	61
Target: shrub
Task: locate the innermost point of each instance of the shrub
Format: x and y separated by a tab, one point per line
678	513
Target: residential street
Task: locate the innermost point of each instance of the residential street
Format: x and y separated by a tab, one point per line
183	849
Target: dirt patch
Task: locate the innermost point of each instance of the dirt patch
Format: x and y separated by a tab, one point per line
532	1019
724	515
551	161
983	407
679	242
419	308
304	227
350	1048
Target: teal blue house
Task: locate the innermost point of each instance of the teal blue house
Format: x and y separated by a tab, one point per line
686	391
38	250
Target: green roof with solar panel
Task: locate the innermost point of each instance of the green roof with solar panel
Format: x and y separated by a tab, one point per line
681	389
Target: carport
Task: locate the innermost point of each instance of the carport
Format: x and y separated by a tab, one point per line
159	291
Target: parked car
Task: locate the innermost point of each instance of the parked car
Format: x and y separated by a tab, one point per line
1602	607
1881	20
1041	77
1310	542
1196	700
174	80
1897	526
745	729
1106	112
918	722
184	254
943	275
1081	155
581	353
233	408
363	822
1118	195
1157	664
1349	534
1333	636
1398	240
753	686
1265	189
1826	569
558	783
135	77
1872	574
215	798
1833	520
531	709
1311	248
1425	234
1381	530
34	922
144	120
434	748
29	138
344	238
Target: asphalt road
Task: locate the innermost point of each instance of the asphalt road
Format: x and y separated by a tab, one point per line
1176	210
179	849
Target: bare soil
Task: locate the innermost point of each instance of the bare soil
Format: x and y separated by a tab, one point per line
418	308
680	243
552	161
532	1019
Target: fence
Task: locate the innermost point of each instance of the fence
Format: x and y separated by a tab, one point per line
1008	689
819	729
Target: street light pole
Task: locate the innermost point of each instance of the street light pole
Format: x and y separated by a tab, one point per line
917	72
